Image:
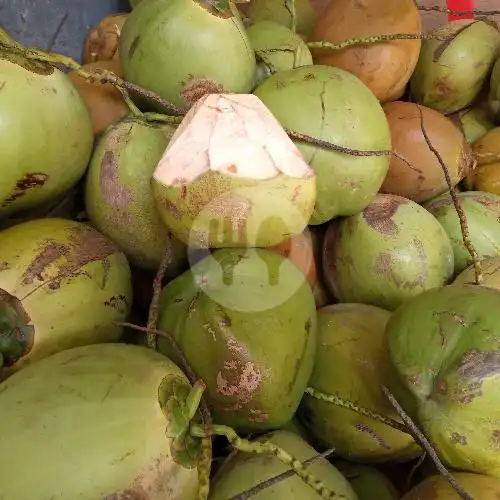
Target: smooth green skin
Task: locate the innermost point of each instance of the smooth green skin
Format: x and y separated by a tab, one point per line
87	423
264	352
94	292
482	211
351	363
475	123
118	197
392	251
494	93
332	104
444	346
368	482
165	44
50	134
452	80
277	11
241	472
277	48
278	207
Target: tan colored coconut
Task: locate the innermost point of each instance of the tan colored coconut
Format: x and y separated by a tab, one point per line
101	43
104	102
384	67
425	178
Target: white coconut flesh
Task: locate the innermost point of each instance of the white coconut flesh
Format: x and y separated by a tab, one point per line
233	134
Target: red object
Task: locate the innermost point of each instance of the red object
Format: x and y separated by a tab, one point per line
460	5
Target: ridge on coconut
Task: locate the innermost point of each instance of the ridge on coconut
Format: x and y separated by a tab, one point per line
231	177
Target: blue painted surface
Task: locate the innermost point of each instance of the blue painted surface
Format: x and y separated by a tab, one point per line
35	22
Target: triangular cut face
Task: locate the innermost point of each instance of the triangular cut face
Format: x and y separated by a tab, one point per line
233	134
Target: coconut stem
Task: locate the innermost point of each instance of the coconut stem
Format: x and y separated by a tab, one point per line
157	286
322	44
426	445
360	410
101	75
461	215
263	485
246	446
474	12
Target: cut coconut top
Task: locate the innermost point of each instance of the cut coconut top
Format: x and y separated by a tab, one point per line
233	134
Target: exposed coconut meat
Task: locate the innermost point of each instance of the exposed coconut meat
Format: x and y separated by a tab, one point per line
233	134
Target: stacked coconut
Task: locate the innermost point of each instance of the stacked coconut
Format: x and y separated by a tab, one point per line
302	185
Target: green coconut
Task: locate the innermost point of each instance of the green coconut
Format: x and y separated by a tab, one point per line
494	92
231	177
97	422
473	122
334	105
367	482
276	49
482	211
241	472
245	320
452	70
352	364
393	250
184	49
118	197
438	487
278	11
490	267
47	141
62	285
444	348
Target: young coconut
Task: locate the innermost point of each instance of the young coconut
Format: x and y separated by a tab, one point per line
184	49
62	284
278	12
438	488
486	175
276	49
47	141
454	65
231	177
392	251
352	364
494	92
245	320
117	416
482	211
366	480
333	105
473	122
104	102
424	178
240	473
384	68
443	346
118	197
491	274
101	42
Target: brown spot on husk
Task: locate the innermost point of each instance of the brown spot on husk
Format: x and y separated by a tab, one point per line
495	438
476	366
116	302
457	438
29	181
378	214
4	266
133	46
83	245
443	88
198	87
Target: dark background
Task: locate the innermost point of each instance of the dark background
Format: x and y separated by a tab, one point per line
59	25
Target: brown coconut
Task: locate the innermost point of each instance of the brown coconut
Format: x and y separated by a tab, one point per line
384	67
101	43
104	102
424	178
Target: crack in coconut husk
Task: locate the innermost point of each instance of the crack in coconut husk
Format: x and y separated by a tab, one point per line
84	245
